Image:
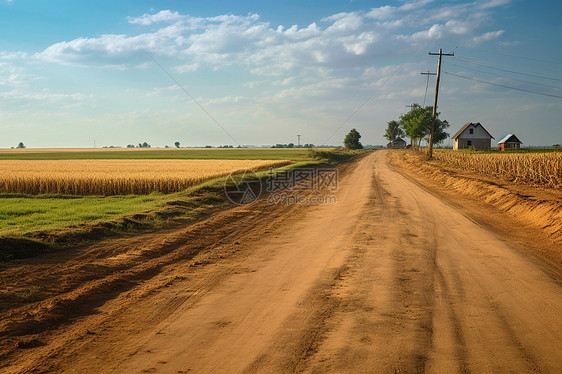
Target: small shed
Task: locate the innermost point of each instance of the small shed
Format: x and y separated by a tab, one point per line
509	141
472	135
557	146
397	143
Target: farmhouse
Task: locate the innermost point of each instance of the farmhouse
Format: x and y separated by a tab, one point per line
472	135
397	143
509	141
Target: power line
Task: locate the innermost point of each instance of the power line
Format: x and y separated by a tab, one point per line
362	105
426	85
506	77
522	57
504	86
193	99
509	71
516	65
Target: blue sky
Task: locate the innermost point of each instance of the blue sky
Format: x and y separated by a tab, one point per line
72	72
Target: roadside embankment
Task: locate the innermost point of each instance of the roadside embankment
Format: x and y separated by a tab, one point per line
533	206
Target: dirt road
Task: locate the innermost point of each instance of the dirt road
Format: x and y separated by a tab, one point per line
389	279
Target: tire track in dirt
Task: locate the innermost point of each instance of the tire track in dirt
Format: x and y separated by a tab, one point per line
372	331
134	268
390	279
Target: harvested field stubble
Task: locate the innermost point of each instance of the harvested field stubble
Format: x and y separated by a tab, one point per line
116	177
533	168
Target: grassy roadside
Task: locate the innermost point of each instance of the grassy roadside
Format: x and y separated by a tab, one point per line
24	214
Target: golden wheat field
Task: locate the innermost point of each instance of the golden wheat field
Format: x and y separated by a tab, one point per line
533	168
116	177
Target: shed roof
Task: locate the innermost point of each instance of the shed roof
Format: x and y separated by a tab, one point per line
468	124
510	138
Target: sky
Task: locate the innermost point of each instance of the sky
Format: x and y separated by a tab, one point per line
260	72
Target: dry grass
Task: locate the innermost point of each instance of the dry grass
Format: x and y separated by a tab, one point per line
116	177
532	168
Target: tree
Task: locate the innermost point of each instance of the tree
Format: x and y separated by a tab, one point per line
393	131
177	144
21	145
417	124
439	134
351	140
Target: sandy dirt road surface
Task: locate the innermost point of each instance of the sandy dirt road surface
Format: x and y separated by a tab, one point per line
389	279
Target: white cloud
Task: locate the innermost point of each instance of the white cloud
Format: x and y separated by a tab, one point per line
4	55
493	4
14	77
487	36
284	82
382	13
412	5
433	33
162	16
340	41
187	68
114	50
44	96
163	91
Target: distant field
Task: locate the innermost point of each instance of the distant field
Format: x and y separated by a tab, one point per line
295	154
116	177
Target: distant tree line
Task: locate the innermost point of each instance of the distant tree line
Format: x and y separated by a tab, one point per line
292	145
140	145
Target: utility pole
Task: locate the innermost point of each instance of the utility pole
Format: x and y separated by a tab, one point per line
299	140
426	85
440	54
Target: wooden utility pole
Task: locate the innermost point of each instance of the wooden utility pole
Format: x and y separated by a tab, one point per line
440	54
426	85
